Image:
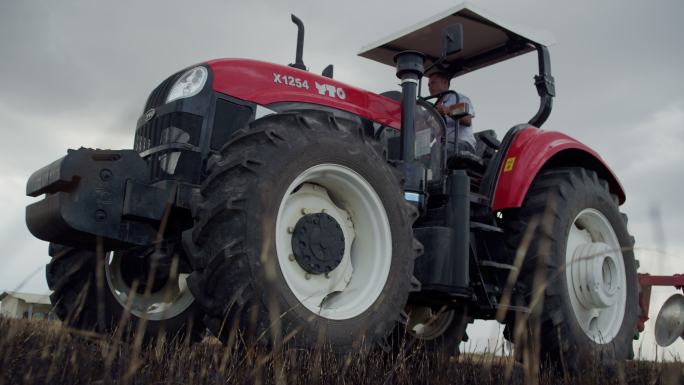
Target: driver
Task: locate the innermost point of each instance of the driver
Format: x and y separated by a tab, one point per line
438	86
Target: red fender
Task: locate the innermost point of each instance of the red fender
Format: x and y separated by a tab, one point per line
532	150
265	83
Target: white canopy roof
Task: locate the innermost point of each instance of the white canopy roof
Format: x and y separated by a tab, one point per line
486	41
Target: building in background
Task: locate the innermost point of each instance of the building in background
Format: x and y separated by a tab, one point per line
25	305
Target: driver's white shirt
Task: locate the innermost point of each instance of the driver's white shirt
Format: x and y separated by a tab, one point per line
465	133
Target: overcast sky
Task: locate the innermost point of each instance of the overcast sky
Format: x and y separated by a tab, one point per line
76	73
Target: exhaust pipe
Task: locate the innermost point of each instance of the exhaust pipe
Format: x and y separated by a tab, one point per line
410	71
299	62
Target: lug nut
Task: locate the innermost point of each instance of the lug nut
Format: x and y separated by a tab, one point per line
327	275
291	257
290	230
307	276
305	211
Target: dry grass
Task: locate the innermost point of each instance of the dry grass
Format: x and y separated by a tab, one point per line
42	352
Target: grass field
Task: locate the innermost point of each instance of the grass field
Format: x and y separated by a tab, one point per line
42	352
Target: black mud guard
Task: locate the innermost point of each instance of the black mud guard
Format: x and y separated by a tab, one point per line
86	200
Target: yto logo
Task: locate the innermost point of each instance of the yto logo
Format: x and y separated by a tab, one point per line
330	90
149	114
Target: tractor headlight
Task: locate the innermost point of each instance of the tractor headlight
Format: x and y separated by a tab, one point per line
189	84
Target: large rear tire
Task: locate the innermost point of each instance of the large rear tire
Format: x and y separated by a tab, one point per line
100	295
303	236
581	256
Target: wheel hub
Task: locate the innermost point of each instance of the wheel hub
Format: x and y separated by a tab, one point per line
358	229
318	243
594	273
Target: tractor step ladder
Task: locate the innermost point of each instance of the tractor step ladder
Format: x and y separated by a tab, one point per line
497	265
485	227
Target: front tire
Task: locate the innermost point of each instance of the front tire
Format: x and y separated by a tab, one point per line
303	234
98	295
581	256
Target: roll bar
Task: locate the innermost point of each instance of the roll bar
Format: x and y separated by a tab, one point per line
546	87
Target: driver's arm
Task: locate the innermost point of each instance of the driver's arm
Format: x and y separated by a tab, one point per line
468	119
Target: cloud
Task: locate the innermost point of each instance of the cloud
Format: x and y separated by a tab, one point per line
649	162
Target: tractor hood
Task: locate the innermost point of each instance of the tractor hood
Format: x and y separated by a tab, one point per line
486	41
267	83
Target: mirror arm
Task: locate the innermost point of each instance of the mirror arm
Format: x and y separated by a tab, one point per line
431	66
452	42
436	63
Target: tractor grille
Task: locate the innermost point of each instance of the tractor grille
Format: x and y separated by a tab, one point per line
186	168
149	135
158	96
165	129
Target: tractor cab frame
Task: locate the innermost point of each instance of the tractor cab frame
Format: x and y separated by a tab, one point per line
465	262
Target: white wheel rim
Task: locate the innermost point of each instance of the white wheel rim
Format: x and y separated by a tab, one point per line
356	283
595	276
427	324
165	303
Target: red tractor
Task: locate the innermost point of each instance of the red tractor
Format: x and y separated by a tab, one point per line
269	203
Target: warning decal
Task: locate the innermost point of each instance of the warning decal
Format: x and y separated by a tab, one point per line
508	166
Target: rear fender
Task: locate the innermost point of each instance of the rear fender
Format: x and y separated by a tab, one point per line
534	150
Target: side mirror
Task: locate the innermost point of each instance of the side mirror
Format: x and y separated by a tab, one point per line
452	42
452	39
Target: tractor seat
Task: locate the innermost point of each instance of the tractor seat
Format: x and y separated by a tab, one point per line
485	147
486	144
464	159
485	139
